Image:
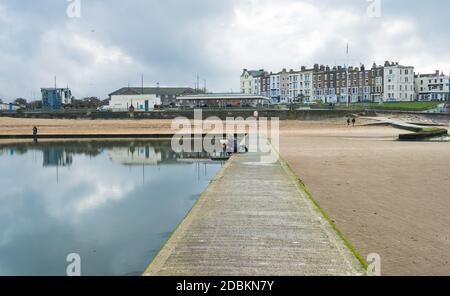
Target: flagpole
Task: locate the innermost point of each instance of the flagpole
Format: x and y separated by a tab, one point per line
347	73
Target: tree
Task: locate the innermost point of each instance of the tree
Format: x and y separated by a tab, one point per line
1	101
20	102
92	102
85	103
105	102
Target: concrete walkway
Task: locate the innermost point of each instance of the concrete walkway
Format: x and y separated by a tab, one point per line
397	123
254	220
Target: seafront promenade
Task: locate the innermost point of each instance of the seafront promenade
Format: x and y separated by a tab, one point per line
254	219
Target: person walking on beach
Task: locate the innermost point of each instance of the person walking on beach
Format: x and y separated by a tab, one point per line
348	121
224	149
35	131
354	121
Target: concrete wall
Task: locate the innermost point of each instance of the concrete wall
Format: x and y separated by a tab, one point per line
223	114
123	102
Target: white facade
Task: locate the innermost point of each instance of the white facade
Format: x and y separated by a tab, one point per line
432	87
306	87
398	83
246	83
251	82
139	102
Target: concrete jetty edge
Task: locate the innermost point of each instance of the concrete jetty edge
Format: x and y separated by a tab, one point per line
339	233
165	251
343	244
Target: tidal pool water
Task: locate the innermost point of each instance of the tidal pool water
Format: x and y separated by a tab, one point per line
114	203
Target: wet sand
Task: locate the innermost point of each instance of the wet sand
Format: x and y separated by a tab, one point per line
388	197
10	126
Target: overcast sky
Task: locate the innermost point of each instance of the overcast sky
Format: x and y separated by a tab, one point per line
170	41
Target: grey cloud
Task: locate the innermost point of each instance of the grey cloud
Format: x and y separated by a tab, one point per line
171	41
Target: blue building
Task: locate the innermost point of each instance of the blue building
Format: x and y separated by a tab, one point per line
55	98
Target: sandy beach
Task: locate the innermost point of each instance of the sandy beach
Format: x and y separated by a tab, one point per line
388	197
10	126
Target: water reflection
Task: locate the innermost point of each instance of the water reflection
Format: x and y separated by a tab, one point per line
57	157
126	153
113	202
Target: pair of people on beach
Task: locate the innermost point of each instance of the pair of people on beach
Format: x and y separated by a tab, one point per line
352	121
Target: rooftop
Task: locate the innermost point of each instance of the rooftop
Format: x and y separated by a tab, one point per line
255	73
52	88
441	75
223	96
176	91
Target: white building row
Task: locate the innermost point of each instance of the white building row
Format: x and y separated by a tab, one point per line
389	83
434	87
